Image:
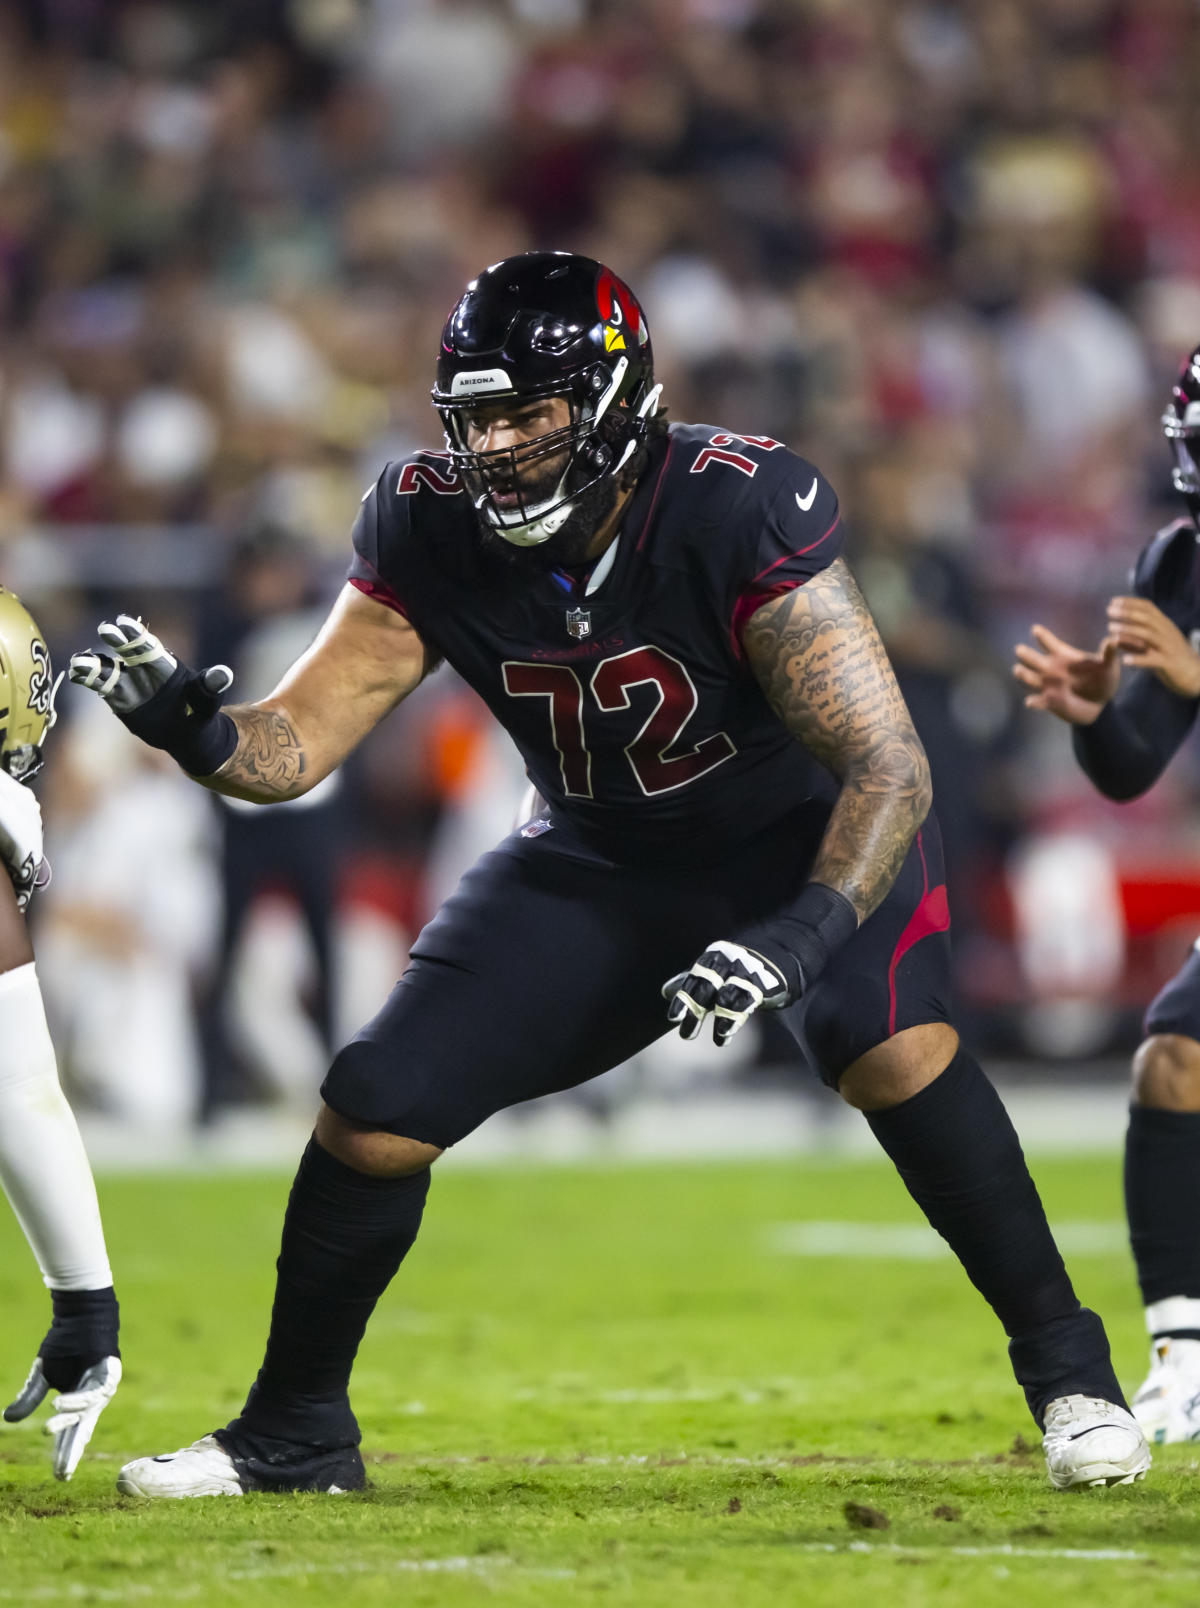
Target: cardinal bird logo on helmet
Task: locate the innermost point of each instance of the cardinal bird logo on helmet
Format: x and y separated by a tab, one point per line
619	313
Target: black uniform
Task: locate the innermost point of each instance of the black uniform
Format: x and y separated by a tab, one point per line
1129	746
681	810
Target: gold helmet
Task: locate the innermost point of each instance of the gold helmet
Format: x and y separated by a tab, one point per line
27	688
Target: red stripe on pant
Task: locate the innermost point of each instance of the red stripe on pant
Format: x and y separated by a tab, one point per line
931	915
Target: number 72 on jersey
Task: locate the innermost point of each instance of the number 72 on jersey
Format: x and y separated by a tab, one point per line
658	755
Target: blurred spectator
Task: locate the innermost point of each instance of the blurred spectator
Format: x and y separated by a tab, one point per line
269	612
950	251
129	926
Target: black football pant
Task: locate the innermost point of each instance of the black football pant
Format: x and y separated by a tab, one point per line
545	969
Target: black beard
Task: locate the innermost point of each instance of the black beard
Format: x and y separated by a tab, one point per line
568	547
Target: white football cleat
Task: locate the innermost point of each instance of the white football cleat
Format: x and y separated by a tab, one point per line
1168	1404
201	1469
209	1468
1088	1441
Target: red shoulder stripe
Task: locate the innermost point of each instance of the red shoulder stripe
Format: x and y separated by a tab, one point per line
381	592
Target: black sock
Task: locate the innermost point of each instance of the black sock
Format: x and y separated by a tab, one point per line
1162	1200
344	1236
955	1147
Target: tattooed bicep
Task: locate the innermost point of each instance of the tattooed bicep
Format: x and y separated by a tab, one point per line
818	657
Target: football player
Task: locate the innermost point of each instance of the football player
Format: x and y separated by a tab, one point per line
43	1166
738	820
1125	729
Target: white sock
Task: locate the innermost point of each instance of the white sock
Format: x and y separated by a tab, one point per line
43	1166
1173	1312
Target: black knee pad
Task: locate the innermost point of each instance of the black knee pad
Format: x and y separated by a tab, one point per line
834	1036
369	1083
1176	1007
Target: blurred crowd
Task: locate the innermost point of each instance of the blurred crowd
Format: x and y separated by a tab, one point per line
950	251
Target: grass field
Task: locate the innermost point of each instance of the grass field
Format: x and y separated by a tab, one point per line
628	1386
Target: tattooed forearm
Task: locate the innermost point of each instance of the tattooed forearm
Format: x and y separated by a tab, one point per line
268	763
818	658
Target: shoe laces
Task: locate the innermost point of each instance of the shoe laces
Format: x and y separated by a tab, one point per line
1070	1409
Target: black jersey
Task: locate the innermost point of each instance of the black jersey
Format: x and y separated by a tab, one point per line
625	689
1129	745
1168	573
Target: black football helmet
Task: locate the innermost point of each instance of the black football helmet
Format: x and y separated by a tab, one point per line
544	324
1181	426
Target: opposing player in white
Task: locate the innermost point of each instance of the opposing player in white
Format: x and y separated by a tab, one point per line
43	1167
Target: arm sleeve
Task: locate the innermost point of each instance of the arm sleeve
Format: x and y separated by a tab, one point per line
43	1166
1127	748
799	535
1130	743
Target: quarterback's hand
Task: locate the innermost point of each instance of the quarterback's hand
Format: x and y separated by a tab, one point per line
1148	640
165	703
729	983
75	1411
21	838
1067	681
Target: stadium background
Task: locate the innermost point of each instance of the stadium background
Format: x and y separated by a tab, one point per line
951	252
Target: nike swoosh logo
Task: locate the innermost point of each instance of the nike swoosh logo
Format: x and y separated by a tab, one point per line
805	503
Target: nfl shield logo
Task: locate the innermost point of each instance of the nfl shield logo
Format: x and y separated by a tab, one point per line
579	622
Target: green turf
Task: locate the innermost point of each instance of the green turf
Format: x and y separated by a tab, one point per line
600	1385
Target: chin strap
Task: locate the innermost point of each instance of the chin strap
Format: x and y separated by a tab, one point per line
533	532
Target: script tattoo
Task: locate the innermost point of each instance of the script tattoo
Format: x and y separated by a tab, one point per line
268	761
817	656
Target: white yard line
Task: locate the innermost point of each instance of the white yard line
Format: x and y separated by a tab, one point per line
747	1393
478	1567
914	1242
1001	1550
664	1460
79	1591
481	1566
1052	1117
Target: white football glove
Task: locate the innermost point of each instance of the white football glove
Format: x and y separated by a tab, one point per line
138	666
21	838
75	1411
728	983
165	703
133	672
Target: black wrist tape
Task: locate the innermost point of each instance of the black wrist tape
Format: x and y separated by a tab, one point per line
205	745
185	720
802	939
84	1332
